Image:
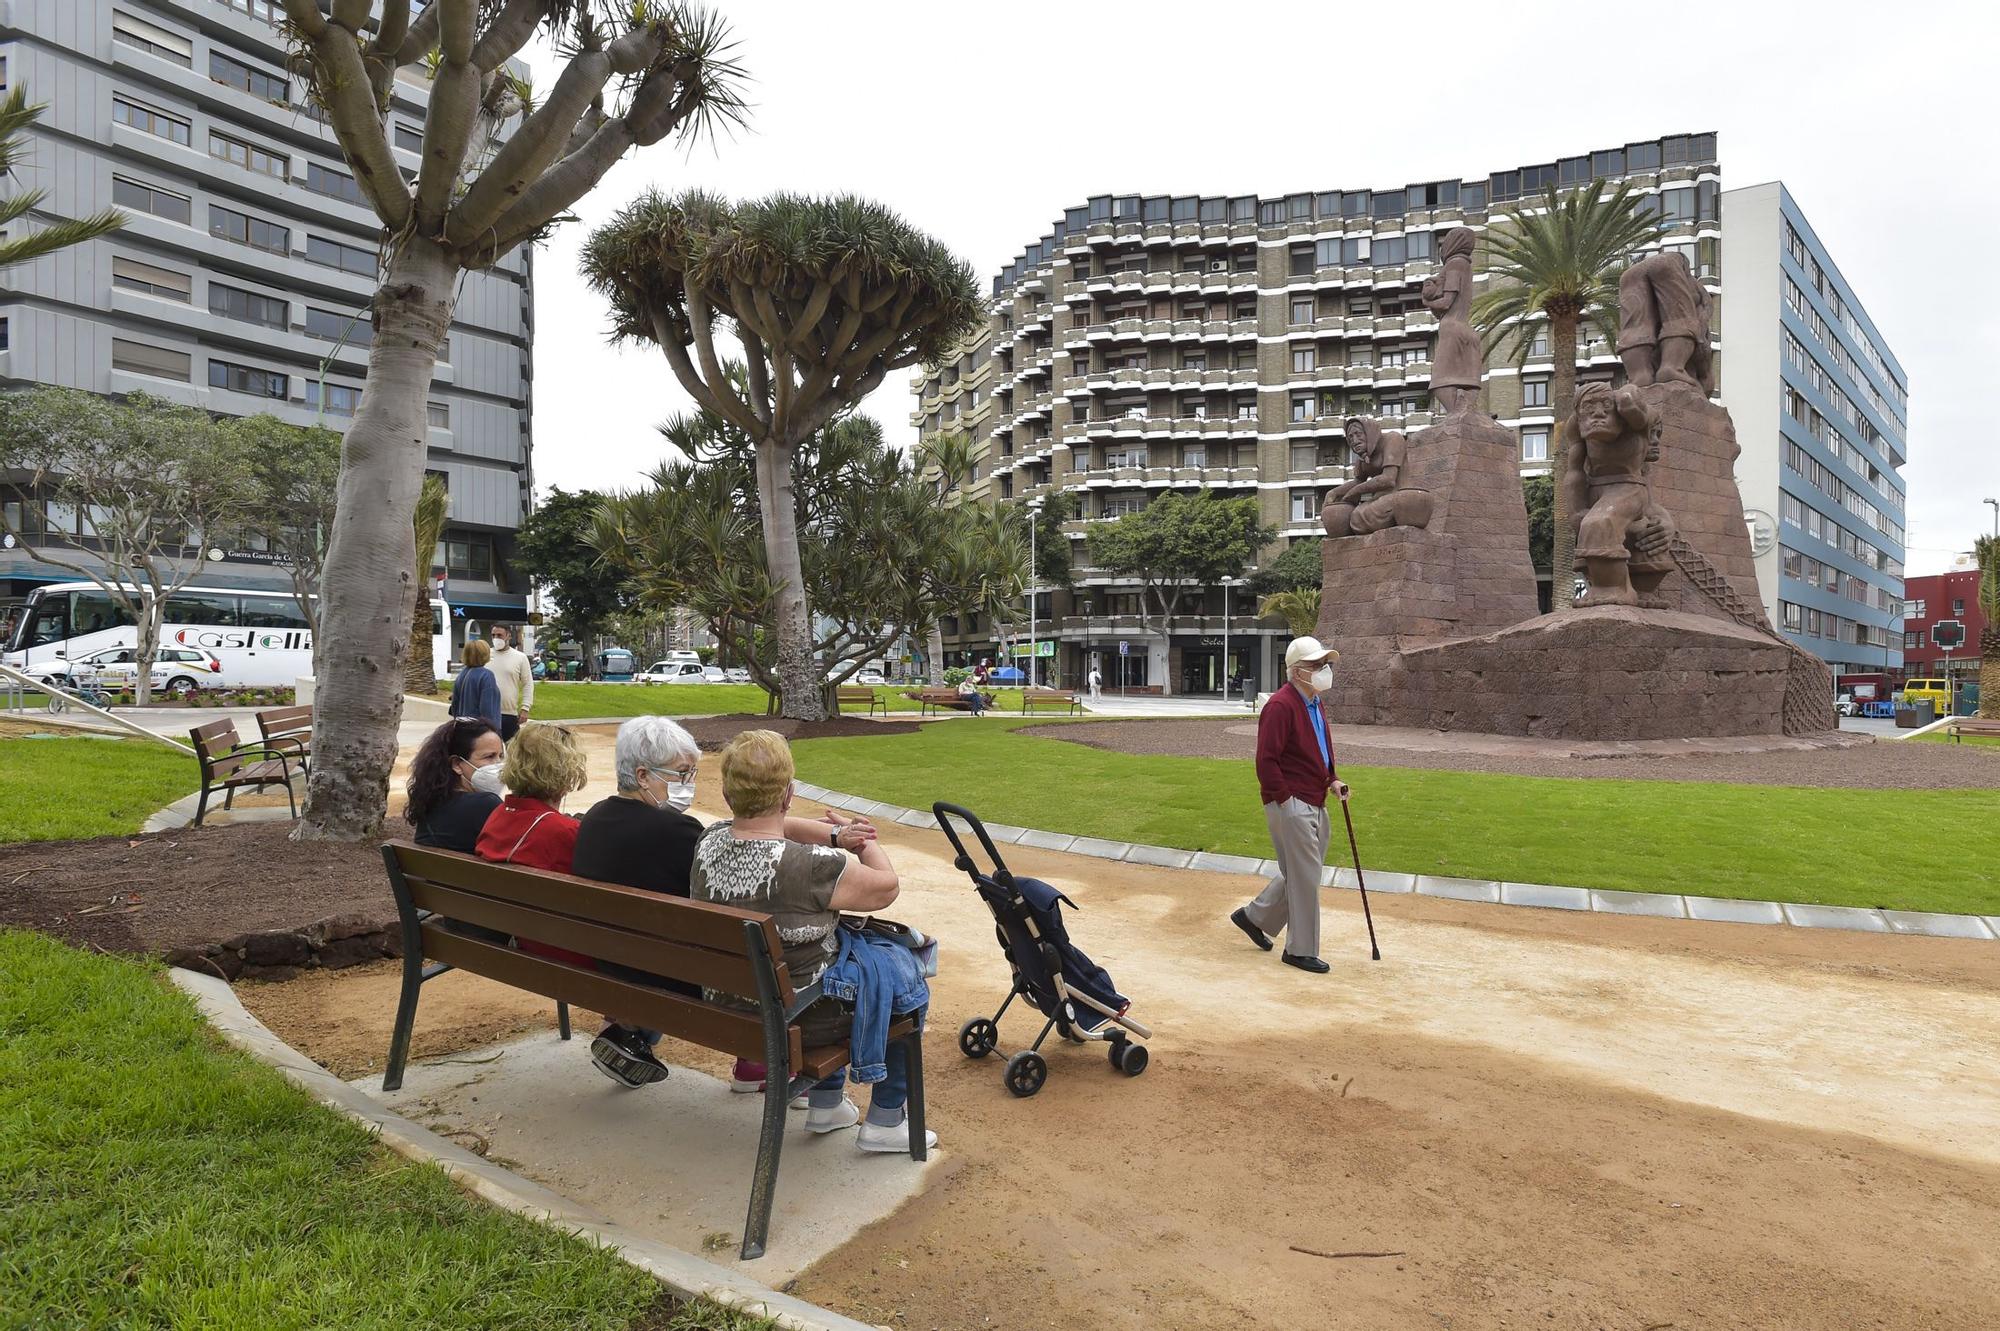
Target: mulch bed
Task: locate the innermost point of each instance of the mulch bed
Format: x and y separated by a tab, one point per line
236	899
712	732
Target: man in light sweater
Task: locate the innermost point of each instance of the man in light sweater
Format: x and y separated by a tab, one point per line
516	678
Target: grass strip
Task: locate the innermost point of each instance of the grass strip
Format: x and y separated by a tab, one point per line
60	789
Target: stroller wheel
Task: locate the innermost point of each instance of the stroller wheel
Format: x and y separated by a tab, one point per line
1026	1071
1129	1058
978	1038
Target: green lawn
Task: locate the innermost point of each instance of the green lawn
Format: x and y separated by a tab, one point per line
1941	738
58	789
1917	850
150	1177
567	702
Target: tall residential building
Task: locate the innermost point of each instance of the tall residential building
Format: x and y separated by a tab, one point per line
242	280
1821	408
1950	598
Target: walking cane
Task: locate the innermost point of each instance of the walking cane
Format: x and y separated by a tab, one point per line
1374	952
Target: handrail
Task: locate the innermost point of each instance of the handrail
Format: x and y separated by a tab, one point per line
29	681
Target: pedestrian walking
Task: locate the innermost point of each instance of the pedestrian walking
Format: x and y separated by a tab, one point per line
474	692
516	678
1096	683
1294	774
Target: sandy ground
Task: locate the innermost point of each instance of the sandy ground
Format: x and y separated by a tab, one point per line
1549	1120
1860	763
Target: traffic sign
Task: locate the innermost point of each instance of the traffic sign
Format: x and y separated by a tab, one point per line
1948	634
1124	649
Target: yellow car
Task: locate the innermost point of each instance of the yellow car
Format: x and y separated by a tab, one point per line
1935	691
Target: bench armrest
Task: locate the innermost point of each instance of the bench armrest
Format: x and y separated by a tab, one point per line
802	1000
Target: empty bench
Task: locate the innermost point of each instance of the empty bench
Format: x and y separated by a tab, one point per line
698	942
230	765
1066	699
1961	726
859	695
289	729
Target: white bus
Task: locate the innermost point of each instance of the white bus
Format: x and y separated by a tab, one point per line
261	638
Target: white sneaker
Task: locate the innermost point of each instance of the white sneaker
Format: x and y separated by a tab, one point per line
894	1140
842	1115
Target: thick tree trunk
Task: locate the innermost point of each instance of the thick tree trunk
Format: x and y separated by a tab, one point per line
1989	672
935	666
798	672
370	578
146	650
1562	398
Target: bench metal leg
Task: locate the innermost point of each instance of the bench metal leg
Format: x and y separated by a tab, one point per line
562	1019
201	805
406	1016
770	1142
913	1047
228	799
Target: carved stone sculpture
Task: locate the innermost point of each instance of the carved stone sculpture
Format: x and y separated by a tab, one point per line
1613	437
1663	322
1376	499
1458	361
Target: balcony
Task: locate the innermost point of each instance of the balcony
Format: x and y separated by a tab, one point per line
1133	626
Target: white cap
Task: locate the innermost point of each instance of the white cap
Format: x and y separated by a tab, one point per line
1309	649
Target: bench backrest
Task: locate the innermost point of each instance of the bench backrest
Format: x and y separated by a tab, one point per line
854	693
1065	695
698	942
277	721
212	745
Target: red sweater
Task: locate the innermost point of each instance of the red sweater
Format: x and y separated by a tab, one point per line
1288	761
551	845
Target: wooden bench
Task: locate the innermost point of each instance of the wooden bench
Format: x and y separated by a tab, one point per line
289	729
229	765
930	700
1962	726
1067	699
720	947
860	695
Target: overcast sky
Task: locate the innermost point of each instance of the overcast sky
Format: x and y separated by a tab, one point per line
982	122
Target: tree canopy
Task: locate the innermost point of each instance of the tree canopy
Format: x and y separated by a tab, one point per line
554	544
295	477
1298	567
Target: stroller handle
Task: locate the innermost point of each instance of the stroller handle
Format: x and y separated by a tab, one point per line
944	813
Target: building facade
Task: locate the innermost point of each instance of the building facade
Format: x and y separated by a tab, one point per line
241	281
1821	408
1156	343
1942	598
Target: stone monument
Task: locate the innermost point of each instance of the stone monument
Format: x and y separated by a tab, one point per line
1458	361
1376	499
1613	436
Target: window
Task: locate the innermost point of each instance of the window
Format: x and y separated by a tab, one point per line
332	326
1304	406
1957	607
248	306
1303	507
1535	393
1916	609
326	180
1194	360
349	258
228	224
1304	457
143	198
1302	309
1676	205
1118	506
1304	359
1302	261
131	275
440	415
247	155
271	87
141	358
340	399
248	379
147	120
1194	409
273	612
1246	408
410	140
150	39
271	11
1535	445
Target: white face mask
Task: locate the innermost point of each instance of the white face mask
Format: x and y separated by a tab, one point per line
487	778
680	795
1322	679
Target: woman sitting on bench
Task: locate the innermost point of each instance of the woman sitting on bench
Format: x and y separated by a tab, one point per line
455	784
755	861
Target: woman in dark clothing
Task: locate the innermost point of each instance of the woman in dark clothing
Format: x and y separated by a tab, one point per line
454	784
475	693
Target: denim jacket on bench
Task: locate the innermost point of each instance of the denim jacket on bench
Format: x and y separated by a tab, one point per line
882	978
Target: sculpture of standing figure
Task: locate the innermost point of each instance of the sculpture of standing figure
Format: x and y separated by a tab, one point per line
1458	360
1375	499
1613	435
1663	321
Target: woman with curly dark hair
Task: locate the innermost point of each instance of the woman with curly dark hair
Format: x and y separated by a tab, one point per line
455	783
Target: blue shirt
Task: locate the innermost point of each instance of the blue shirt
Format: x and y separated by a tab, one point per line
1318	720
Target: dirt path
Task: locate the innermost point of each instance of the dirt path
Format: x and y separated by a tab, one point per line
1560	1122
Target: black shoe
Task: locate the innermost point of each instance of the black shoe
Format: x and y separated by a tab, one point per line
620	1054
1313	964
1257	936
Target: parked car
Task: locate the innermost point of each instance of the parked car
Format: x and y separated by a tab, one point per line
737	674
714	675
1845	705
871	678
672	672
175	669
1935	691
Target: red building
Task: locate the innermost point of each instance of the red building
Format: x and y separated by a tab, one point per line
1929	600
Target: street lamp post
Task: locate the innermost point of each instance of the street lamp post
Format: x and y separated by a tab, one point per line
1034	517
1994	504
1227	583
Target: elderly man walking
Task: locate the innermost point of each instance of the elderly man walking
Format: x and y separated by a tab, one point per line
516	678
1294	773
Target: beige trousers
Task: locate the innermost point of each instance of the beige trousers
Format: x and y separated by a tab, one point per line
1290	902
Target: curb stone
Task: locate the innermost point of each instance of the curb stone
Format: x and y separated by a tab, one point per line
684	1274
1543	896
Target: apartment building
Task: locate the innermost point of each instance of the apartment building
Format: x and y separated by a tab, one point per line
242	279
1950	598
1153	342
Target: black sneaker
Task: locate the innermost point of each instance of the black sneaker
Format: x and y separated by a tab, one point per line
621	1055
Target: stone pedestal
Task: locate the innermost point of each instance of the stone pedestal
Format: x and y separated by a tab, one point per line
1611	673
1464	574
1695	480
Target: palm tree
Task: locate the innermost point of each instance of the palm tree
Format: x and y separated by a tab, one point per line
1559	259
1298	608
15	117
949	459
433	508
824	296
1986	552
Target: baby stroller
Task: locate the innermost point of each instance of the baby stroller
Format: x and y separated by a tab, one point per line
1064	985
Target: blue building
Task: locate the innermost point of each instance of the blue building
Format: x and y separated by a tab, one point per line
1821	408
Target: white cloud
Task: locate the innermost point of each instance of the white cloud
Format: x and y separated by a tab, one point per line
982	122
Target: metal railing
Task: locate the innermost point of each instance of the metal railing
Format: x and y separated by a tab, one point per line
20	684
